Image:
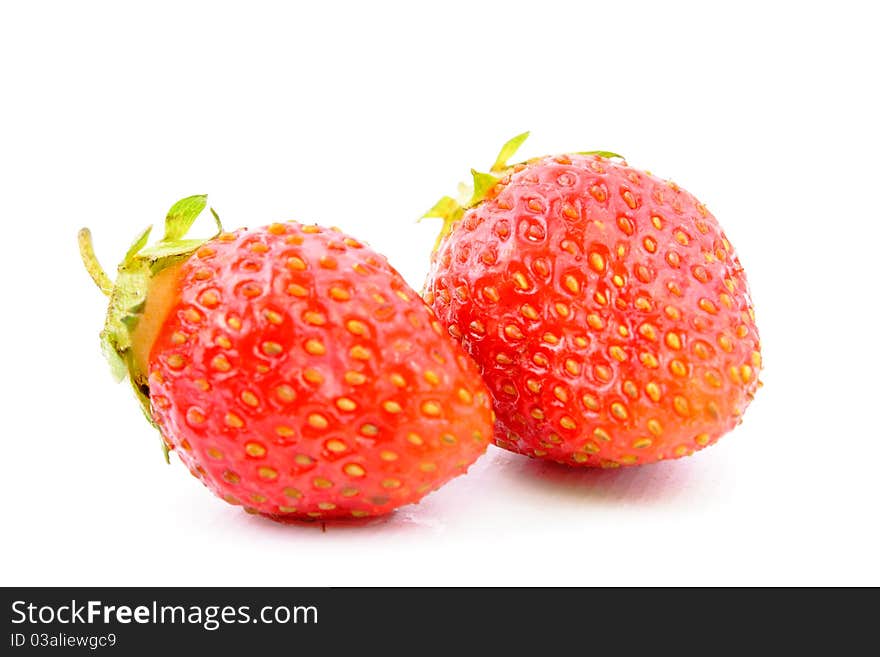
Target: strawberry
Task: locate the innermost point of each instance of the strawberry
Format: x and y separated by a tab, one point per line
291	368
606	308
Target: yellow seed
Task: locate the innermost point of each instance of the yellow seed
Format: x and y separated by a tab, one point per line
618	280
431	408
250	398
414	439
560	393
536	413
464	396
303	459
648	331
602	373
708	306
655	427
597	262
295	263
314	318
339	294
702	439
642	443
195	416
223	342
567	423
491	294
285	393
209	299
192	315
590	447
284	431
336	446
562	310
680	404
746	373
294	493
653	391
581	341
657	222
572	366
431	377
528	311
354	470
221	363
391	483
327	262
297	290
359	352
520	281
313	376
326	506
356	327
756	359
725	343
618	410
233	420
678	368
315	347
672	312
265	472
550	338
713	378
254	449
392	406
176	361
617	353
648	360
595	322
369	430
540	359
681	450
590	402
602	435
673	341
345	404
321	482
355	378
272	348
230	477
317	421
571	284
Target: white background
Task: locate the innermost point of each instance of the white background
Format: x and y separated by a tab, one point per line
361	115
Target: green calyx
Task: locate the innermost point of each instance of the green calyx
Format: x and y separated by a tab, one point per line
451	210
128	294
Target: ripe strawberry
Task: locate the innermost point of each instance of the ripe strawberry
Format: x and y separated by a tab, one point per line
292	369
606	308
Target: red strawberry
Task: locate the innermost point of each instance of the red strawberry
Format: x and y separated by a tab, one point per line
606	308
292	369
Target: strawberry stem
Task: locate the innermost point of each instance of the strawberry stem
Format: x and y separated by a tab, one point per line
93	267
